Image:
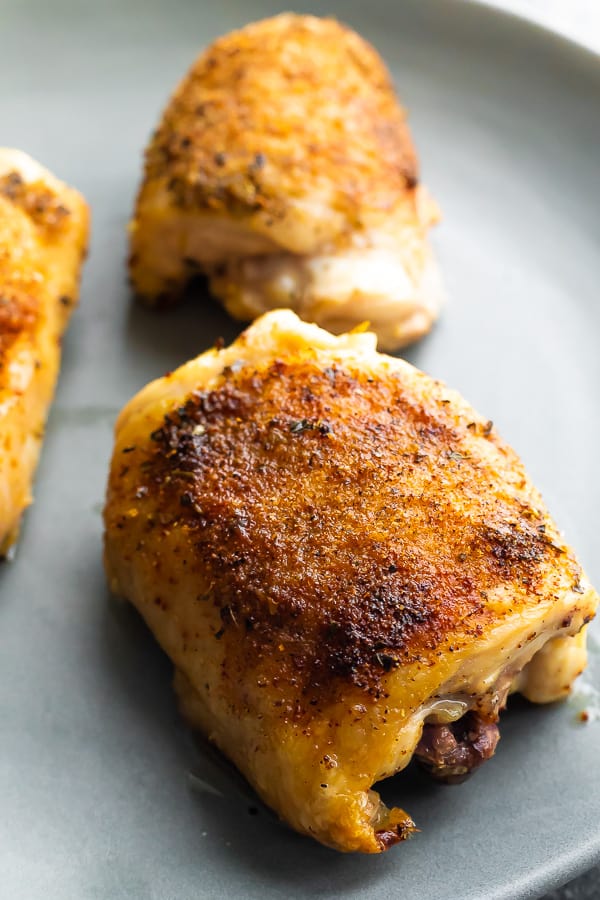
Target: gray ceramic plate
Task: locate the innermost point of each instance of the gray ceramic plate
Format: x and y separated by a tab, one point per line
96	795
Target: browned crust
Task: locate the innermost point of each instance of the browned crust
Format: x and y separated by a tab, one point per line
18	315
43	235
267	113
342	527
21	280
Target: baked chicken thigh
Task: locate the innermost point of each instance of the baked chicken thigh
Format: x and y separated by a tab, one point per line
43	239
284	169
346	564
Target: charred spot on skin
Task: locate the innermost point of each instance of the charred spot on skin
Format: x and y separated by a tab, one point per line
181	438
386	838
515	547
386	661
301	425
227	615
258	162
363	645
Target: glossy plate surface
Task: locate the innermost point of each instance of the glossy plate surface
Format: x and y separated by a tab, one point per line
97	797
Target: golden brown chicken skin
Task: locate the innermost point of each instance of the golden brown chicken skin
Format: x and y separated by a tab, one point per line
335	549
43	238
283	168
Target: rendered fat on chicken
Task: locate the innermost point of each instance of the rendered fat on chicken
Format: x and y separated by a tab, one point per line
43	239
284	169
346	564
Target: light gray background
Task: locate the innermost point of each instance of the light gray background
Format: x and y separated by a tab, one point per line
578	20
96	797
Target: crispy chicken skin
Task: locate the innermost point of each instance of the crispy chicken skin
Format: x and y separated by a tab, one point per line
283	168
334	549
43	238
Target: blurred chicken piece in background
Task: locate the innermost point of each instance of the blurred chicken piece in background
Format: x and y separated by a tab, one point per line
284	169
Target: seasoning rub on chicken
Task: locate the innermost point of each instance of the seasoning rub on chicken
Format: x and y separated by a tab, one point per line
346	564
43	239
283	168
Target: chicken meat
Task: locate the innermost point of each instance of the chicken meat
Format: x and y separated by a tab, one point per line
284	169
346	564
43	239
